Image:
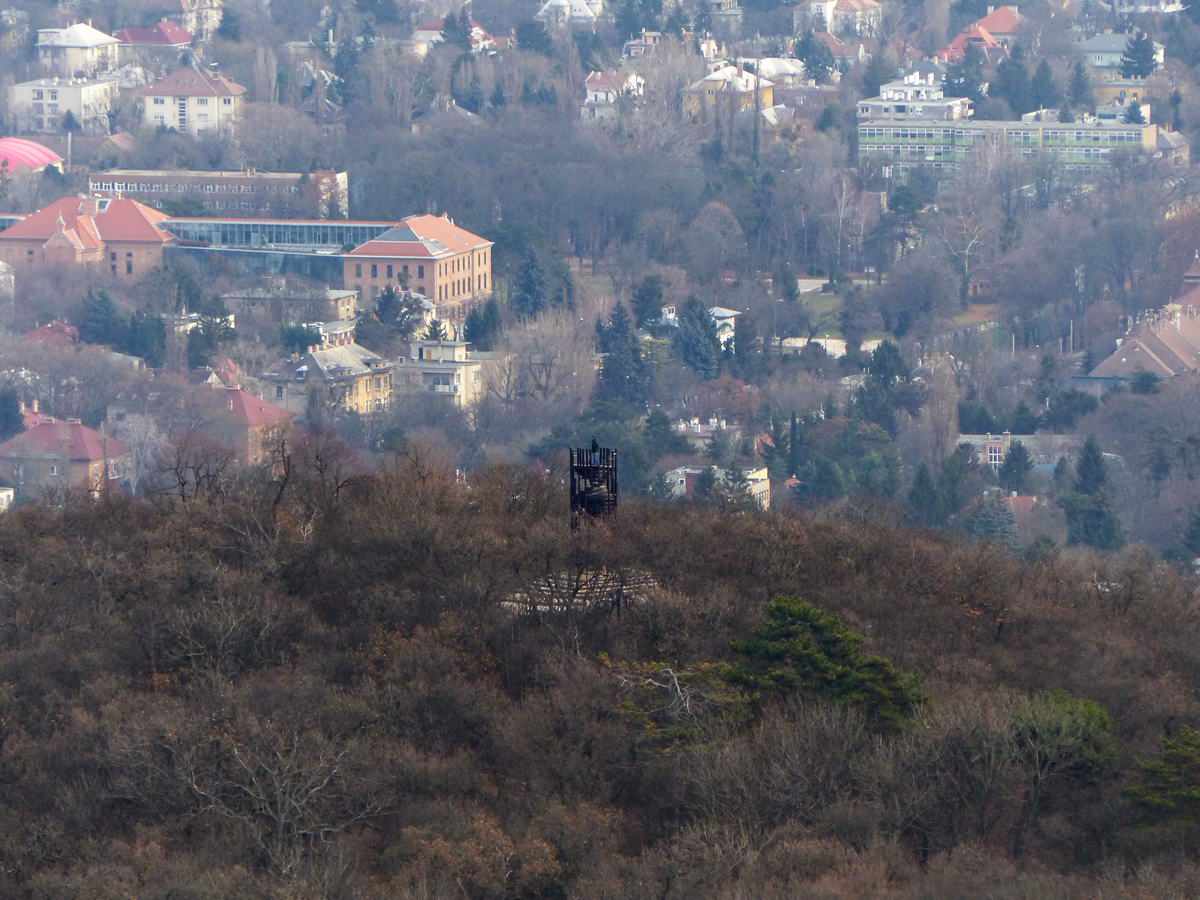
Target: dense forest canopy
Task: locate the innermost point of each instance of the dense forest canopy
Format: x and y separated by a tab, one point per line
342	689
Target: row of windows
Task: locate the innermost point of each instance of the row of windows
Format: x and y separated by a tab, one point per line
145	187
200	101
1015	137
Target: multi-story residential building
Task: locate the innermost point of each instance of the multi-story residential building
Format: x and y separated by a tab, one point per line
123	235
1103	52
55	453
192	100
429	254
570	13
254	426
859	17
78	49
41	105
311	195
346	378
974	38
914	97
442	367
605	89
903	144
278	301
728	88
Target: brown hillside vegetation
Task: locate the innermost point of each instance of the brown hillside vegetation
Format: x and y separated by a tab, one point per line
315	688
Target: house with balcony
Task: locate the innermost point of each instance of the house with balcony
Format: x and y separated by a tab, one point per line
605	89
445	368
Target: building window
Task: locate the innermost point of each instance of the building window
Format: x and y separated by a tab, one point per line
227	101
389	271
374	270
53	469
420	271
129	267
278	392
358	271
202	101
995	456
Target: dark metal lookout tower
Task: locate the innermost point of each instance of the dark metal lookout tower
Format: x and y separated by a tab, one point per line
593	482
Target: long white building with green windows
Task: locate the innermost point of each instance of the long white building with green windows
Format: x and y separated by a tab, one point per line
906	143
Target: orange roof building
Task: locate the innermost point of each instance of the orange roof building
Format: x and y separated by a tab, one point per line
1002	23
55	453
435	257
978	37
122	234
192	100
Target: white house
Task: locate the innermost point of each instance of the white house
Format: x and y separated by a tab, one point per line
77	49
570	13
604	89
860	17
41	104
725	320
1104	51
915	96
192	100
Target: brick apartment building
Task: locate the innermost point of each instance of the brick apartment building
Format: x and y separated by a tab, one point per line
318	195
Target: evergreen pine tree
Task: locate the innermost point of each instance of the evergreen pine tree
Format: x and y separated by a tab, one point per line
625	376
1079	89
992	520
660	438
1044	87
718	448
435	331
877	72
100	321
11	421
796	446
1014	471
1025	420
647	299
817	58
1091	472
695	340
735	488
530	295
1139	59
1133	114
706	490
965	77
923	504
1012	82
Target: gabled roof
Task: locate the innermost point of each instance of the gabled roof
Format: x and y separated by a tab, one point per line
976	35
1105	43
78	35
332	362
69	440
190	82
250	410
164	34
115	219
421	237
1001	20
730	78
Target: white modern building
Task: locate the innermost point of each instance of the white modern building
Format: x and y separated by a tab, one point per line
40	105
78	49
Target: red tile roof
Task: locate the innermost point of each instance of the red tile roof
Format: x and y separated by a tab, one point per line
1001	20
66	440
52	333
189	82
251	410
115	219
426	237
976	35
164	34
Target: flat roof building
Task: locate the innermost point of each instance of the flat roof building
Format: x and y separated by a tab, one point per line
906	143
321	194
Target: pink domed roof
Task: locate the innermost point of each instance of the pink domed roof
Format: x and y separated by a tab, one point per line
17	153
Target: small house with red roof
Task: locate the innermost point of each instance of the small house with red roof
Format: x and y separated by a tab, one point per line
197	101
166	35
1002	22
978	37
56	333
116	232
62	453
256	426
437	258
